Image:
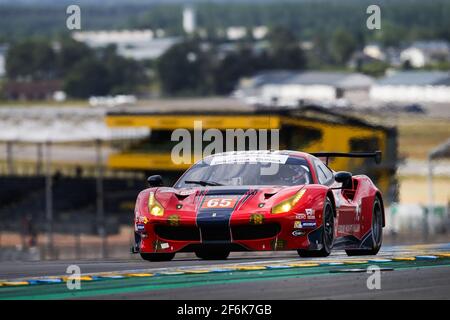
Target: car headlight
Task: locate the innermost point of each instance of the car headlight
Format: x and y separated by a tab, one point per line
154	207
288	204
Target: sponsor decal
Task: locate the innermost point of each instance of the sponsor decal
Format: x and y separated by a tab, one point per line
256	219
297	224
213	202
310	213
186	192
164	245
309	224
249	158
158	245
304	224
140	226
142	219
298	233
349	228
174	220
300	216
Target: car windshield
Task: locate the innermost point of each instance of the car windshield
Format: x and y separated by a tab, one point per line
282	171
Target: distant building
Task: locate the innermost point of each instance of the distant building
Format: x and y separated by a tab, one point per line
390	55
236	33
413	86
260	32
422	53
134	44
189	21
290	88
374	51
393	56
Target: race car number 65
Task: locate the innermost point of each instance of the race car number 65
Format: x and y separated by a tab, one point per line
219	203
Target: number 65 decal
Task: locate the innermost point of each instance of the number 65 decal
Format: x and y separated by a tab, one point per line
219	202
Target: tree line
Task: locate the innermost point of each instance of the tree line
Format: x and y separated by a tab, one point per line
190	67
83	71
402	20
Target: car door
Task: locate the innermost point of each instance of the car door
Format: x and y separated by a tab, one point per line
345	207
346	213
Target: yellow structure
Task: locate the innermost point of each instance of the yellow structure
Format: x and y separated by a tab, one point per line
309	129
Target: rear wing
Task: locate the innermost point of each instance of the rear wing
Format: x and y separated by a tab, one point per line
376	155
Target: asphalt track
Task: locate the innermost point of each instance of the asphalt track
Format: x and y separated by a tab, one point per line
412	272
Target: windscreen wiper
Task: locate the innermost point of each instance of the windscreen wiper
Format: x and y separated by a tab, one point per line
204	182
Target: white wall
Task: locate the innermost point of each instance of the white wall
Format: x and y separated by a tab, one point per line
290	94
438	94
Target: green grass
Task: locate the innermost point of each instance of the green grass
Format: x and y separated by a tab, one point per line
47	103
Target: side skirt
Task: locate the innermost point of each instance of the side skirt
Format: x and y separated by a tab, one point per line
351	242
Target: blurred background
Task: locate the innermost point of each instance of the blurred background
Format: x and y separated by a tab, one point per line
87	114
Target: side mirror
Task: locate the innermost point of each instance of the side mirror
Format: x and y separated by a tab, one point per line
155	181
345	178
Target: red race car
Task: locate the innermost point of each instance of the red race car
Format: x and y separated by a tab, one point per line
262	201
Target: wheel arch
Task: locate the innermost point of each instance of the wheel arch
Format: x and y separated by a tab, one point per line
330	195
380	198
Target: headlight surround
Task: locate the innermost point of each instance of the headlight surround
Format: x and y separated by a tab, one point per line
154	207
288	204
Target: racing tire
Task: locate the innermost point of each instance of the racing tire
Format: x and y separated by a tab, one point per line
155	257
327	234
377	232
206	254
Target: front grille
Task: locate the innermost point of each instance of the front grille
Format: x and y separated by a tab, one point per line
180	233
212	233
216	233
253	232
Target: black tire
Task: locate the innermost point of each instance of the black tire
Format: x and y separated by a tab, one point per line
327	234
377	232
154	257
209	254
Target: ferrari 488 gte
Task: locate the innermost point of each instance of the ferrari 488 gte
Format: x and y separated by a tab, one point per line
260	201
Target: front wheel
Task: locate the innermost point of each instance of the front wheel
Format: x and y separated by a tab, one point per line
377	232
154	257
327	234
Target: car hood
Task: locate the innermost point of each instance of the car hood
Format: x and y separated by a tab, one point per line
247	197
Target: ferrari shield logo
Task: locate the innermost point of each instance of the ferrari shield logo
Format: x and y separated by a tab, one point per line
174	220
142	219
256	219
